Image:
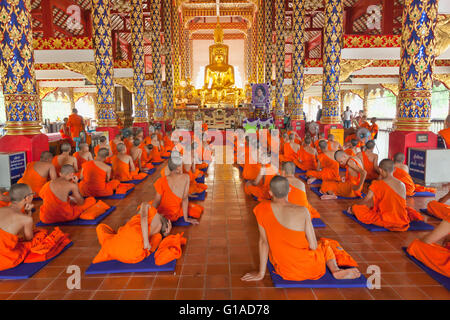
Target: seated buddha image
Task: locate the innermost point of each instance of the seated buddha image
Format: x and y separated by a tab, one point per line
219	75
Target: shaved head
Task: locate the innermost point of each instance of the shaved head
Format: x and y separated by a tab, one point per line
174	163
370	145
46	156
288	168
65	147
84	145
307	139
331	137
102	139
339	155
323	145
399	157
136	142
103	153
279	186
121	147
67	169
387	165
19	191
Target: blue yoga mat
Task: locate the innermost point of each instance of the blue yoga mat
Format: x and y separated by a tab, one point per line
316	190
181	223
445	281
151	171
200	180
318	223
27	270
116	196
156	163
79	222
298	170
198	196
114	266
327	281
303	177
165	158
136	181
425	211
413	225
423	194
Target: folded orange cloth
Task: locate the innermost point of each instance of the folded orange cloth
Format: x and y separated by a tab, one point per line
169	249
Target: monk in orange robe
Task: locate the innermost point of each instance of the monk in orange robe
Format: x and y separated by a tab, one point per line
135	240
189	168
364	123
75	124
251	166
445	133
316	143
401	173
128	142
327	167
308	156
39	172
352	184
65	158
168	143
5	200
286	237
260	187
19	243
172	193
291	151
351	148
333	145
82	156
96	177
103	143
63	201
373	128
349	138
157	151
370	161
113	143
65	132
385	204
433	250
297	192
440	209
146	156
123	168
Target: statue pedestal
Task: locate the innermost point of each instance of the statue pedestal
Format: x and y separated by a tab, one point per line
401	141
112	131
33	145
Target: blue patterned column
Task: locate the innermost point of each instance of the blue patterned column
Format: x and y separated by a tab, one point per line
280	59
416	66
332	37
156	60
260	43
299	55
176	45
23	113
137	44
169	61
268	13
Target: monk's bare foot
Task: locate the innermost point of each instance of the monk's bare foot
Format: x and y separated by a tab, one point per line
349	210
311	180
351	273
328	197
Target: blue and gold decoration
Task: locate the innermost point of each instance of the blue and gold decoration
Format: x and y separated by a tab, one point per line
156	60
103	60
280	58
169	64
332	45
176	45
416	66
268	12
137	44
23	112
260	43
298	57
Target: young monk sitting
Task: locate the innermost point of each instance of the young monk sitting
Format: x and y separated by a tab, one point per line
123	168
286	237
308	155
113	143
39	172
84	155
146	157
321	137
251	166
332	144
433	250
259	187
96	178
172	193
327	167
189	168
385	205
297	193
65	158
157	151
134	241
352	148
440	209
351	185
401	173
291	151
370	161
18	241
168	143
103	144
63	201
136	154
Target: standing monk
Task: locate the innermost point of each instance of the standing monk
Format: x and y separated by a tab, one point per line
353	182
287	238
370	161
39	172
373	128
76	125
327	167
385	205
65	158
307	155
401	172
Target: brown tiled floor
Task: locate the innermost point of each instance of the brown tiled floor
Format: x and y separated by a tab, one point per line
225	246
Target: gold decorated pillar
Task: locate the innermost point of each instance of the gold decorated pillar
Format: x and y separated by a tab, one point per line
176	44
156	61
268	18
168	61
280	61
298	59
260	41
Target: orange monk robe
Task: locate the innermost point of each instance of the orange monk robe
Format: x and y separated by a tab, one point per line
411	187
80	160
121	171
344	189
94	182
261	191
289	250
113	146
168	143
298	197
446	135
126	245
373	130
389	209
75	124
128	144
42	247
156	155
350	152
169	249
354	137
330	169
33	179
296	139
194	186
308	160
316	145
372	174
146	159
365	124
439	210
171	205
289	155
56	164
